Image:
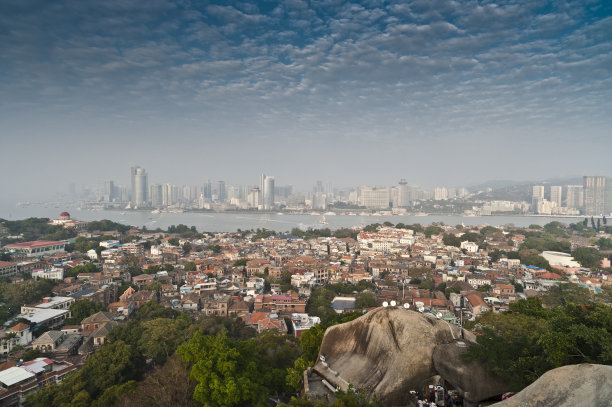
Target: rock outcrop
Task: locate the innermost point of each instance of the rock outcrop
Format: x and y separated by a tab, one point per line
387	352
469	378
568	386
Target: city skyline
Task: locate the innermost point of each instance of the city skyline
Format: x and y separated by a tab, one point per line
437	92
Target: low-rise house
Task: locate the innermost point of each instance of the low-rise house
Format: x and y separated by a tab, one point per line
143	280
343	304
96	320
217	305
18	381
140	298
476	305
57	342
190	302
62	303
122	309
99	335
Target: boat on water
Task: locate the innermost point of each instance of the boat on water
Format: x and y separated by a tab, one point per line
323	221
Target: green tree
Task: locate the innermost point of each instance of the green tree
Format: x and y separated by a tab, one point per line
161	337
564	294
450	239
26	292
240	263
82	309
85	268
365	300
372	227
226	371
433	230
587	257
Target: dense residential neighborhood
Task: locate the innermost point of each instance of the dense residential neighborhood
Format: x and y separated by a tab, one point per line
99	279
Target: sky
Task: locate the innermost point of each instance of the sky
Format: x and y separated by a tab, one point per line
438	92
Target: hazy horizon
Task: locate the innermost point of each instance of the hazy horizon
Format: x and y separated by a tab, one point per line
449	93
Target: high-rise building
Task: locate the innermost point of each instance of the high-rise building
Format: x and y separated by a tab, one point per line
254	198
374	197
594	195
139	186
221	191
109	191
207	190
403	194
268	192
440	194
537	196
575	196
167	195
319	201
157	195
556	193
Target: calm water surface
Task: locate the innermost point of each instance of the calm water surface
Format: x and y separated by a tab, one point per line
230	222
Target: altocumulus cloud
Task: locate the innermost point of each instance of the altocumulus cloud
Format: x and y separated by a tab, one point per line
386	70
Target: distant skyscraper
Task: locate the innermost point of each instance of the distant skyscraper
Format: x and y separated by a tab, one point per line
556	193
139	186
254	198
207	190
157	195
575	196
109	191
268	192
537	196
221	191
594	195
374	197
167	196
440	194
403	194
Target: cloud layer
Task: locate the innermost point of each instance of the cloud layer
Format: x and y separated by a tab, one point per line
385	73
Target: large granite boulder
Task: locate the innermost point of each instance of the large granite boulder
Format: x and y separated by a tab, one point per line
469	378
568	386
386	352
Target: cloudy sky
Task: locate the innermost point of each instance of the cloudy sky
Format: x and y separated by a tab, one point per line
438	92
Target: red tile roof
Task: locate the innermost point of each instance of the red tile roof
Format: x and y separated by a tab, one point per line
33	245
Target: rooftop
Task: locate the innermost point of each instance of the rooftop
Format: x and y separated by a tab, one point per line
34	244
14	375
42	315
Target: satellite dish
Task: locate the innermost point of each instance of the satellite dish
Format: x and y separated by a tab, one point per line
385	304
393	303
406	305
322	358
439	315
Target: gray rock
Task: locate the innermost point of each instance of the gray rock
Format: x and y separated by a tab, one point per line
386	352
469	378
568	386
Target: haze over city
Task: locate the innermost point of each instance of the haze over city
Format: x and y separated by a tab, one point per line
437	92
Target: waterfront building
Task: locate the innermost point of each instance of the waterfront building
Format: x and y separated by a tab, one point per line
575	196
556	193
594	194
267	191
374	197
139	186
